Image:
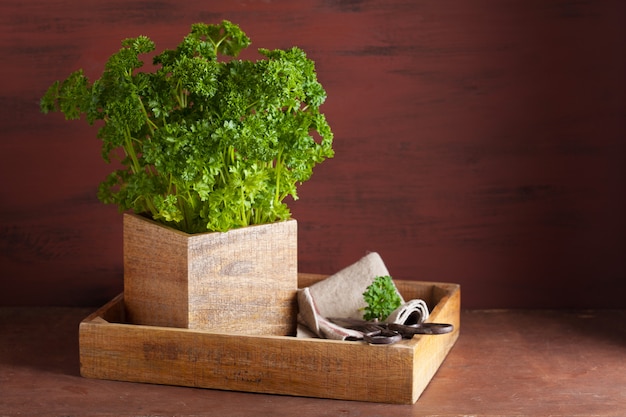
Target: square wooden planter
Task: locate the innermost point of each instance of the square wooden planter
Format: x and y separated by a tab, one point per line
113	348
241	282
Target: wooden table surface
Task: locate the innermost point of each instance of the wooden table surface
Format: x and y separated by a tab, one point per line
506	362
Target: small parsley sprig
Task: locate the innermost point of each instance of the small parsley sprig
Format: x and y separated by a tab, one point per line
206	142
382	299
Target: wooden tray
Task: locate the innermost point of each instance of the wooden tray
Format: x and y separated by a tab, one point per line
112	349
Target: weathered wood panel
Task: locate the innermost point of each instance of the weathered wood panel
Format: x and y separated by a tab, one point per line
477	142
201	281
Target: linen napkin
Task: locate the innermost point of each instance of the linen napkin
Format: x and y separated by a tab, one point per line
341	295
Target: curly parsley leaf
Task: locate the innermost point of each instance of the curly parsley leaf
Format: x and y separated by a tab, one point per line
382	299
206	144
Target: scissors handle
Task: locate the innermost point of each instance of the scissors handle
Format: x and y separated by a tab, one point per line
382	337
373	333
409	330
376	333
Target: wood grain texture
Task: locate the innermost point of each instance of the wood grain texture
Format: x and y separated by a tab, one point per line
523	363
477	142
396	373
243	281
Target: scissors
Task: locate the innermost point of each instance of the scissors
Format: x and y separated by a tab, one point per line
379	333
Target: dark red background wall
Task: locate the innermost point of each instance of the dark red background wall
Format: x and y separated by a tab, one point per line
480	142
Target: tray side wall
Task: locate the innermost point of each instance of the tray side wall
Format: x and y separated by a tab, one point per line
314	368
431	351
268	364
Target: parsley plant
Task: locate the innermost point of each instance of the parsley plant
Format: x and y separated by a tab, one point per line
382	299
206	143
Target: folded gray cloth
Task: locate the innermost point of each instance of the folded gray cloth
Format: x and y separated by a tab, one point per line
411	312
341	295
318	325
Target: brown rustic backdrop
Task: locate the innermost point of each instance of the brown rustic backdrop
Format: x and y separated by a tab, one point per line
480	142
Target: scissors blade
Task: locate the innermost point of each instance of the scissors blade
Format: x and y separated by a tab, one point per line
385	337
373	332
421	328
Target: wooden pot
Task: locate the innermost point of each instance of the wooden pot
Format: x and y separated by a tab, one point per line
242	281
